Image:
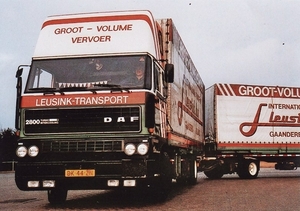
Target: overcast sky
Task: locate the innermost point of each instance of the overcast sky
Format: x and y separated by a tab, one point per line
230	41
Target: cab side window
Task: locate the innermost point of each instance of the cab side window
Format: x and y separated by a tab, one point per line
158	79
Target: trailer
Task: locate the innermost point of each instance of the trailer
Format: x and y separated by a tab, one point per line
247	124
112	101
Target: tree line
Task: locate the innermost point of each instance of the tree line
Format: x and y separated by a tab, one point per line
8	143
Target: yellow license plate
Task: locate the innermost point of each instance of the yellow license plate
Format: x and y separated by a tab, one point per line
80	173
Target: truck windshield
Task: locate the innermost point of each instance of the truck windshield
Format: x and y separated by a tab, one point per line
101	73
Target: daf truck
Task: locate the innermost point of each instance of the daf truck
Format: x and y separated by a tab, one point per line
112	100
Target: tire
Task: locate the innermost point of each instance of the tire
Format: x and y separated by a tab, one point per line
192	180
215	173
248	169
162	188
57	196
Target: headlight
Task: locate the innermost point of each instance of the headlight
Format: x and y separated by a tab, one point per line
33	151
142	149
21	151
130	149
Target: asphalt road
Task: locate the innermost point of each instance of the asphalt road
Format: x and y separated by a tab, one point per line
272	190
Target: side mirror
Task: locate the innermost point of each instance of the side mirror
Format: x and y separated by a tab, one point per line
19	72
19	91
169	73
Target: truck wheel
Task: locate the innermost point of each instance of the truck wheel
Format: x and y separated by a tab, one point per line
57	196
162	188
215	173
248	169
192	180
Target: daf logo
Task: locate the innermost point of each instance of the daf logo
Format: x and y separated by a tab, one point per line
121	119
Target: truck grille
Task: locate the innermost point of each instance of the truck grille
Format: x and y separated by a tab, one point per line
82	146
99	120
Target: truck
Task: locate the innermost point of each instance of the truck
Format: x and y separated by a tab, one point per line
247	124
112	101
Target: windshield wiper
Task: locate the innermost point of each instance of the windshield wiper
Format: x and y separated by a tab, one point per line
113	87
106	85
74	88
45	90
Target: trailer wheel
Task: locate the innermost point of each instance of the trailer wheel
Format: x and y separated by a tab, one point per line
248	169
215	173
57	196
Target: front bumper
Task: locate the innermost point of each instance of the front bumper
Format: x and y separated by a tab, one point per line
107	174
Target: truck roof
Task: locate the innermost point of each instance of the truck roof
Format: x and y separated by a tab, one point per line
97	33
